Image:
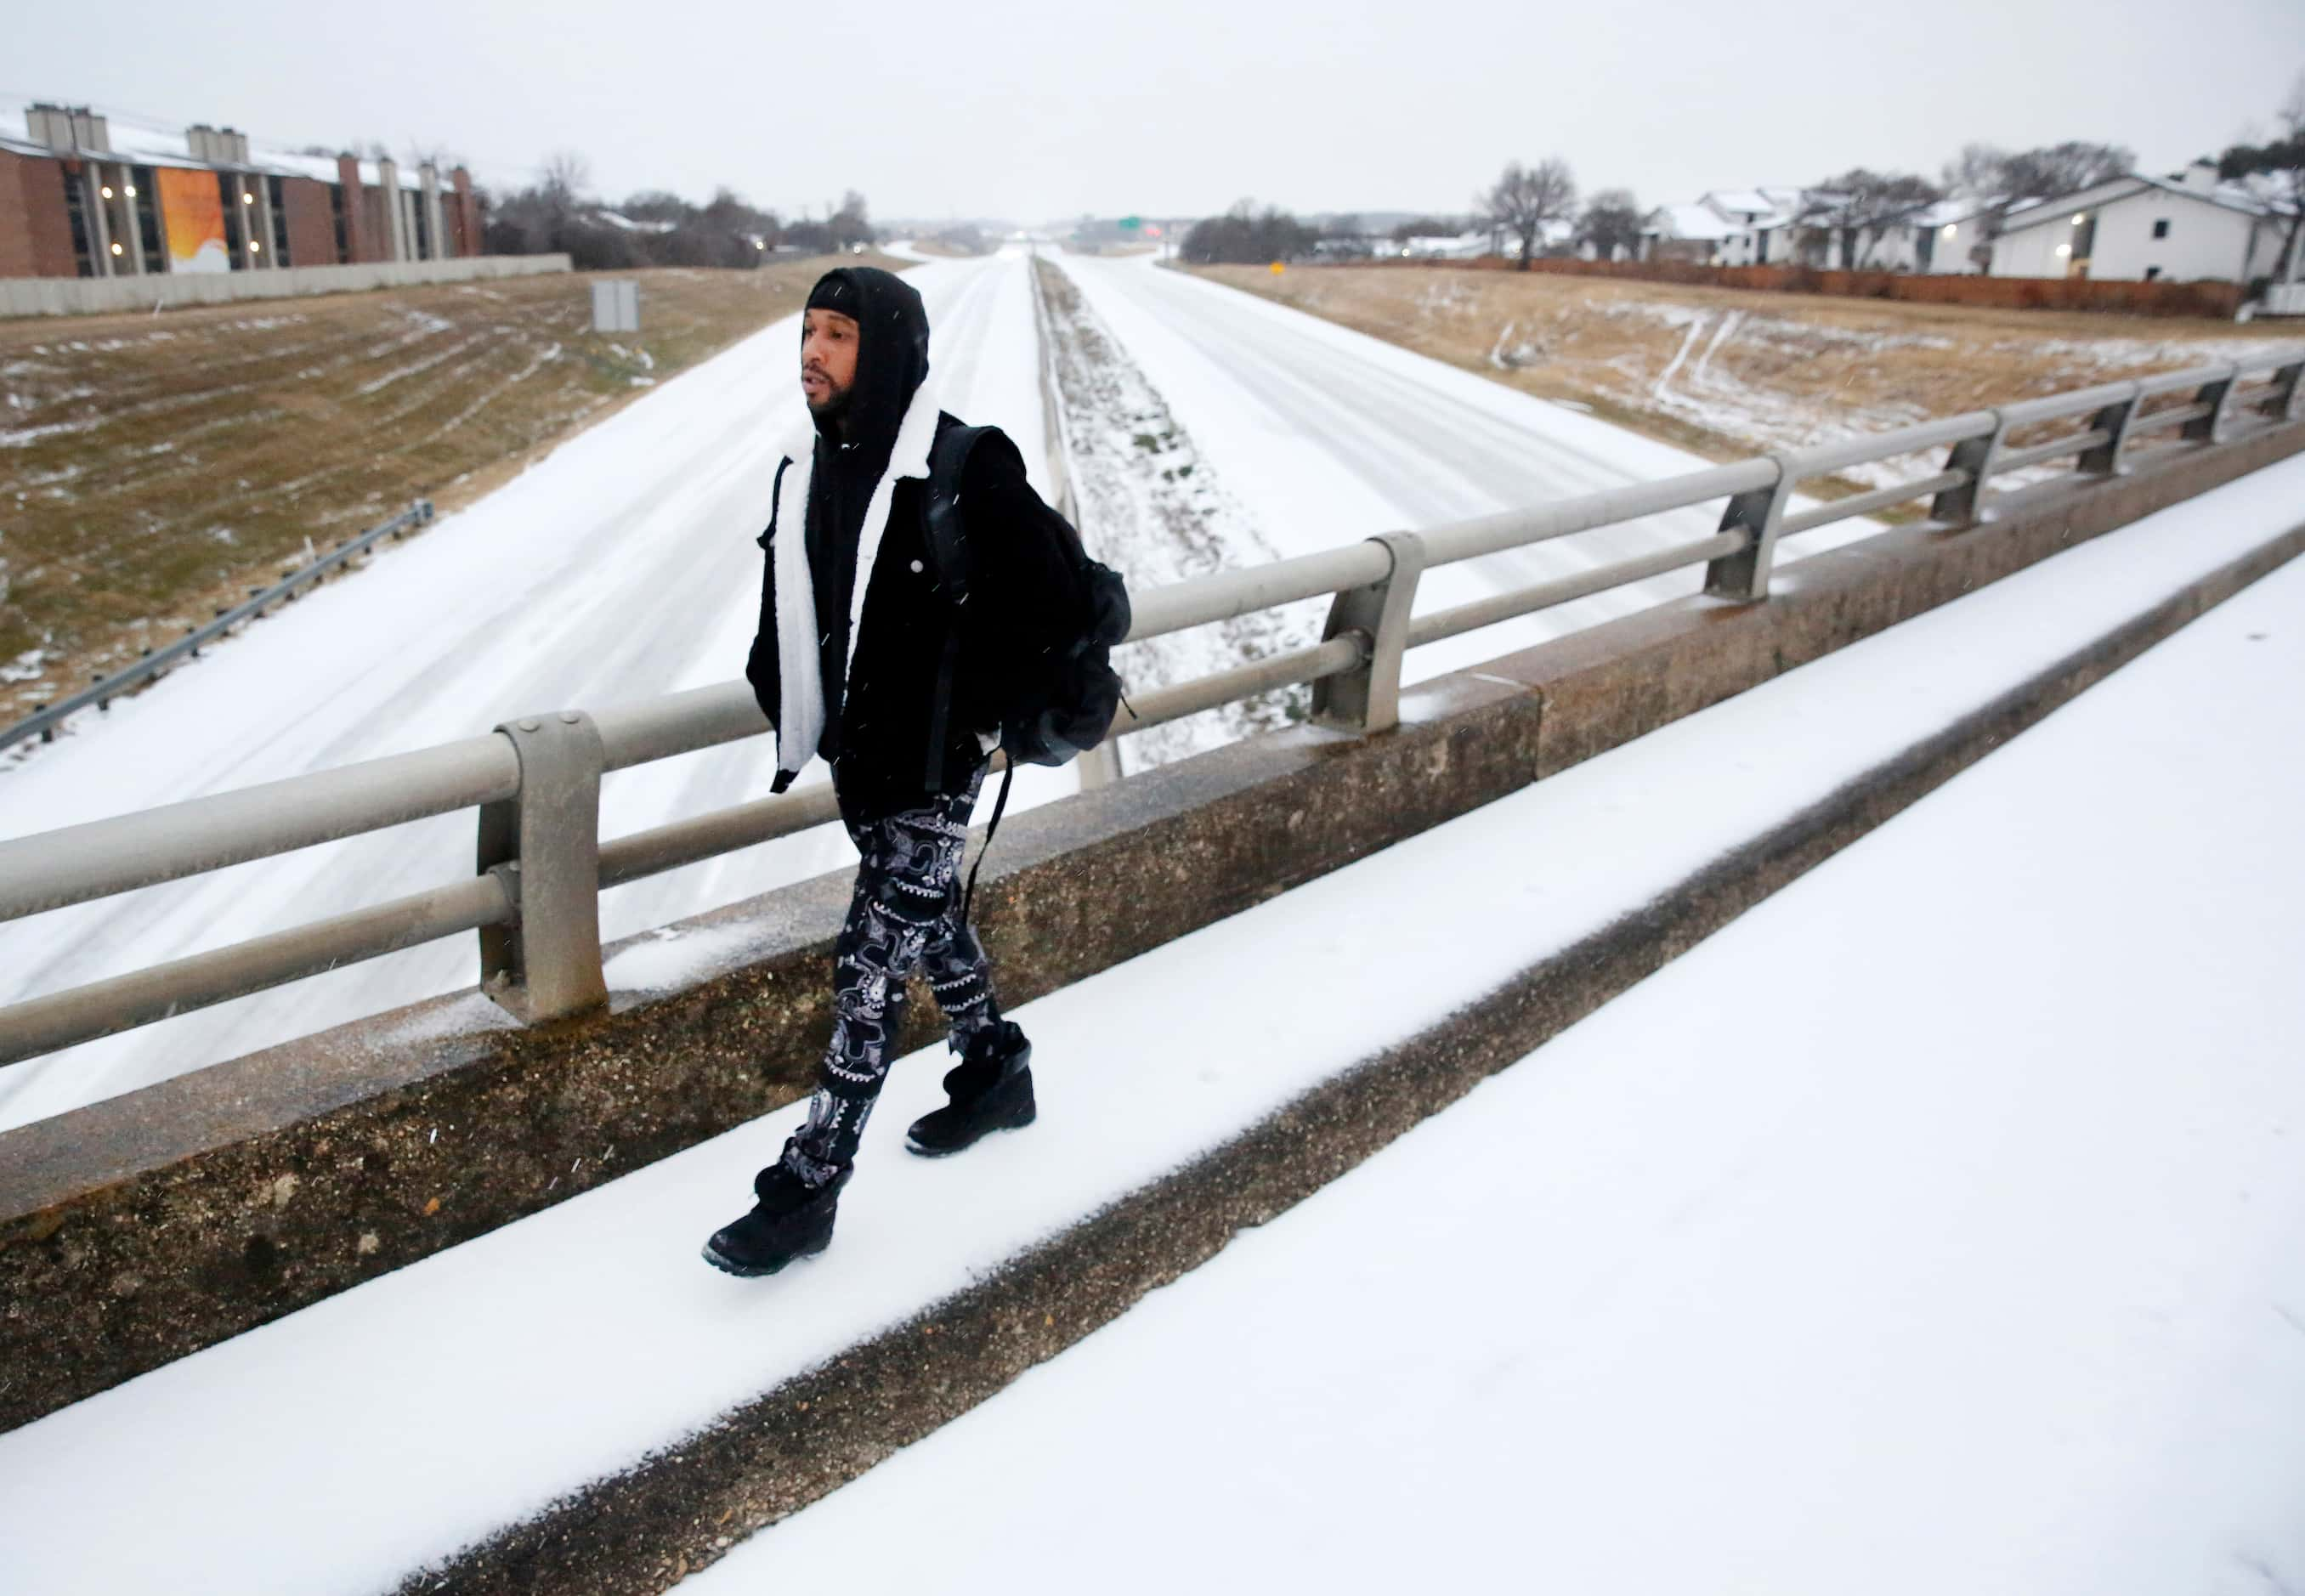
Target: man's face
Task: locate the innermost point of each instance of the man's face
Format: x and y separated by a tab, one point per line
828	360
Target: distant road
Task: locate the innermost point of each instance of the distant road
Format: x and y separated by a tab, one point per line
1330	436
621	567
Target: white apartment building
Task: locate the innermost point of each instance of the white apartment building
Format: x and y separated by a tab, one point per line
2184	229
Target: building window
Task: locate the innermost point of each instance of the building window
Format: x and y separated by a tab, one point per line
147	220
279	244
76	212
2161	228
2152	273
336	213
235	220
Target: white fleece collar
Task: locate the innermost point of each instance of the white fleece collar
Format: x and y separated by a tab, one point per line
800	720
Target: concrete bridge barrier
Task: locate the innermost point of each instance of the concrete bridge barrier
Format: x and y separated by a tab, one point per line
96	296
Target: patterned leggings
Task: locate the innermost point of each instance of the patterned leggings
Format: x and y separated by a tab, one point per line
905	916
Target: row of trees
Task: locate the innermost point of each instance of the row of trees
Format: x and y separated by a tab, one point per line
1528	204
1248	235
1528	201
1851	207
558	214
1854	207
1245	236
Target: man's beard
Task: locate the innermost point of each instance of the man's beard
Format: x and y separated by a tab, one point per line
834	404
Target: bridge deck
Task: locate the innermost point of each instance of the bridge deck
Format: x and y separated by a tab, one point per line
342	1447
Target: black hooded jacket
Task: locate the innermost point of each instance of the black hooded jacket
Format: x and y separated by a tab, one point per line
852	452
891	744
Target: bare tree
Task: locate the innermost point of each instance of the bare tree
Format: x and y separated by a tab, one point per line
1426	227
2278	170
440	157
1525	199
2001	180
1612	222
1247	236
566	176
1857	205
851	224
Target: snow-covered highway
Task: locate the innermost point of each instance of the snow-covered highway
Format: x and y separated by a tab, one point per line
1328	434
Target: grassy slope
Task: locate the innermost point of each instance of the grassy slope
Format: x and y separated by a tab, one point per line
1786	369
153	468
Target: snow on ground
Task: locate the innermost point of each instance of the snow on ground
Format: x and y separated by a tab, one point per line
1327	436
1693	386
621	567
1152	505
1716	398
1938	1226
483	1383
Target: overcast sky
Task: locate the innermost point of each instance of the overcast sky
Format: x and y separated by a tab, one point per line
1036	112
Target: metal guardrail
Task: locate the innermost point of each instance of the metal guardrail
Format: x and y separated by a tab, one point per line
534	899
155	663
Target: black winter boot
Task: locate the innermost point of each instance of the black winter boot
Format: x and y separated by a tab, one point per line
991	1089
792	1219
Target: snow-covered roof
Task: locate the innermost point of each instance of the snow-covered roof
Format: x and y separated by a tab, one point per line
2233	196
1468	245
146	144
2224	197
1689	221
1955	209
1767	204
618	219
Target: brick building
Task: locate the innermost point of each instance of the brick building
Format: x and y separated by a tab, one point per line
72	206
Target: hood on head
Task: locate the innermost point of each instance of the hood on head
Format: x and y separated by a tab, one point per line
892	354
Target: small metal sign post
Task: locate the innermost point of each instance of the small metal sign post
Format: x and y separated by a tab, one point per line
616	306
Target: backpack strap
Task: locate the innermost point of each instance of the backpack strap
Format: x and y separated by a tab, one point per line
775	502
948	542
968	898
948	551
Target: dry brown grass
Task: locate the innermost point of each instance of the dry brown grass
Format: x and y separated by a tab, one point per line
153	468
1762	371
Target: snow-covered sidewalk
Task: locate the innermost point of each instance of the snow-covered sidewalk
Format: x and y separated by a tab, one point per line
1939	1226
388	1426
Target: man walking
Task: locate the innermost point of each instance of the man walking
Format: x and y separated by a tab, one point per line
875	652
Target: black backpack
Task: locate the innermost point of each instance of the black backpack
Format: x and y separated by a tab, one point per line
1073	710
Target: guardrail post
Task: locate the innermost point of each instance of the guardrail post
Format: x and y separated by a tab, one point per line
1368	700
1760	512
2114	420
2287	401
545	845
1100	766
1958	507
2218	397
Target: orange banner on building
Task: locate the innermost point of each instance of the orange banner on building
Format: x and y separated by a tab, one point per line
191	213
